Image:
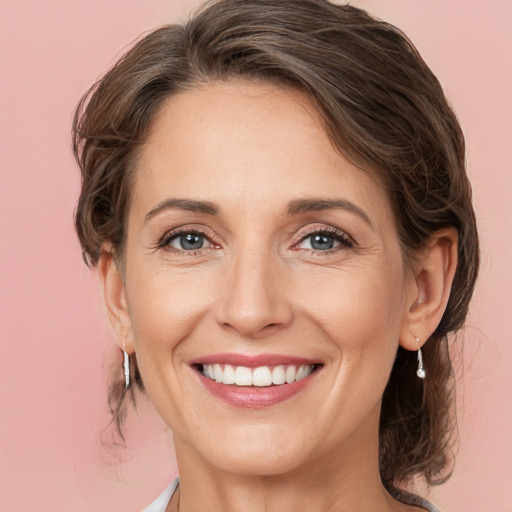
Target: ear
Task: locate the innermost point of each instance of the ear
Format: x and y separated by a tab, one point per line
428	287
114	297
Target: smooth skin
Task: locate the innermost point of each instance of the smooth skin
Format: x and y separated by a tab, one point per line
259	276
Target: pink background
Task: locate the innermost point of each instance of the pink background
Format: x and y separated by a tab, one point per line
54	337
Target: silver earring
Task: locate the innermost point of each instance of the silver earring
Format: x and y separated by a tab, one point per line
420	372
126	366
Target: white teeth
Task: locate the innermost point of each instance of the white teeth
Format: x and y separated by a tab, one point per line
263	376
229	375
302	372
243	376
217	370
278	375
290	374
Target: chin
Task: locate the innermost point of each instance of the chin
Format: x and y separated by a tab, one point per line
252	453
259	463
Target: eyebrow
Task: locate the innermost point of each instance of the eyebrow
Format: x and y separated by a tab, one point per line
298	206
184	204
295	207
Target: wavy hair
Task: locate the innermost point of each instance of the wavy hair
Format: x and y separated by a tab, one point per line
382	107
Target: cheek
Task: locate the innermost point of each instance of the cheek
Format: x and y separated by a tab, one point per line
165	304
362	320
360	314
166	307
356	307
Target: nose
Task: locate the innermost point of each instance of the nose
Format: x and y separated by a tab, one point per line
253	301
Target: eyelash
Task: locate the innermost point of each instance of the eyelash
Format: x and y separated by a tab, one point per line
168	237
346	242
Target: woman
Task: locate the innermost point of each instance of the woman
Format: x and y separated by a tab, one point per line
275	197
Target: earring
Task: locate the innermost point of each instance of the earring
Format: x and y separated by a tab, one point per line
126	366
420	372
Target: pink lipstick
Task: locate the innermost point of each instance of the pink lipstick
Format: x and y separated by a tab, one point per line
255	381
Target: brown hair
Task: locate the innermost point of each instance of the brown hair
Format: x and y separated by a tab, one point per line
383	109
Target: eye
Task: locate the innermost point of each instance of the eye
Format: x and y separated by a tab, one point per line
186	241
320	242
325	240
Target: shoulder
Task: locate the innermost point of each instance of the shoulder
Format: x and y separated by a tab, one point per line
160	504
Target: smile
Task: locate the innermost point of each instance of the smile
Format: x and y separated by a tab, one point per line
262	376
255	381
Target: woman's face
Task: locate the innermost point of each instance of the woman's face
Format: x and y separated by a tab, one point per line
255	246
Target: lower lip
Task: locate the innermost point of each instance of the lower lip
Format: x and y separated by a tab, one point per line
254	397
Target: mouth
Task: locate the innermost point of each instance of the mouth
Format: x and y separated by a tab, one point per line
261	376
245	381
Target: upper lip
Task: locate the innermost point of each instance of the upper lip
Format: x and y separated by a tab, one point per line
252	361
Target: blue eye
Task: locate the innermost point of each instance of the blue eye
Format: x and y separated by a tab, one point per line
189	241
318	241
322	240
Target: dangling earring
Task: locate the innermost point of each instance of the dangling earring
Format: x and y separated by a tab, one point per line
420	372
126	366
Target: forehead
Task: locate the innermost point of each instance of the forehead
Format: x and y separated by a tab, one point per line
246	143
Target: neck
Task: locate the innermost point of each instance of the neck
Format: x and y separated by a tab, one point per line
344	479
